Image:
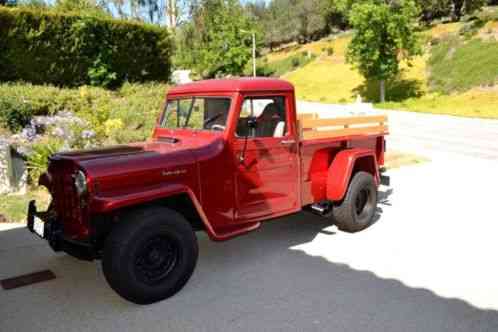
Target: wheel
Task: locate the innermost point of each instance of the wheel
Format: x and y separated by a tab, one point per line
150	256
357	210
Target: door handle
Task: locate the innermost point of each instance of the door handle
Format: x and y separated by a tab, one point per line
288	142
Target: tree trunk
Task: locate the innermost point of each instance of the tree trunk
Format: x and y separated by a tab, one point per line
172	12
382	91
457	9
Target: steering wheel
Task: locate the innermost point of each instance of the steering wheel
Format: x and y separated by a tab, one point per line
218	127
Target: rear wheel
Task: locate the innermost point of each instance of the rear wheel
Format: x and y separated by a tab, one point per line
356	212
150	256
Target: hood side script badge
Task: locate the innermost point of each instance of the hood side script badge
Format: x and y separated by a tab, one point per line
175	172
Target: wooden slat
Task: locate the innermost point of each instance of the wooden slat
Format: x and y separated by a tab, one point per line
307	116
345	132
315	123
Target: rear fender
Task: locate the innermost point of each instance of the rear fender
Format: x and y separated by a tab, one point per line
343	167
102	205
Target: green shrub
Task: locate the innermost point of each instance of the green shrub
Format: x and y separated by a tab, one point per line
471	28
65	49
135	105
37	162
295	61
20	102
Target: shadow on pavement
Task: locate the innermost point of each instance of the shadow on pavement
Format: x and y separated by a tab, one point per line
257	282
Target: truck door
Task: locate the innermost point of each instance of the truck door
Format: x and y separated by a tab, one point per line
266	172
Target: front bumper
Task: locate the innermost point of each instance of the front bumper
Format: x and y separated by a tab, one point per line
53	234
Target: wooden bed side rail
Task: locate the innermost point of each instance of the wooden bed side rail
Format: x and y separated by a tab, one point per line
311	126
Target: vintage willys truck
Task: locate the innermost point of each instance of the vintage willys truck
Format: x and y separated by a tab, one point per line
225	156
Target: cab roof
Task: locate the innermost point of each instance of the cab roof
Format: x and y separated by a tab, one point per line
257	84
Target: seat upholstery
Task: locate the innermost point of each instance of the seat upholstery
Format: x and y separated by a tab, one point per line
268	121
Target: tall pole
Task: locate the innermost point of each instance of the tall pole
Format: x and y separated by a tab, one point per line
254	54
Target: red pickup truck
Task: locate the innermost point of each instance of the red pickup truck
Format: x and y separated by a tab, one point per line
225	156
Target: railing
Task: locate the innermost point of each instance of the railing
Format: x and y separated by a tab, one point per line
313	127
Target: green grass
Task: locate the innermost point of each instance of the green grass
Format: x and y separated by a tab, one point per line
458	65
13	208
475	103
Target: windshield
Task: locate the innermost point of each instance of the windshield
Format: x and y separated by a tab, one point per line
201	113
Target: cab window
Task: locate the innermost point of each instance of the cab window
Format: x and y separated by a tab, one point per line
201	113
269	114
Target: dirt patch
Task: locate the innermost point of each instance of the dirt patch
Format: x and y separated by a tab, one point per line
397	159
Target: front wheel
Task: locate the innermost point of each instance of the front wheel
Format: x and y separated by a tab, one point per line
150	256
357	211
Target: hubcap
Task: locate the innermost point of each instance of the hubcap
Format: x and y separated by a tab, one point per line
156	258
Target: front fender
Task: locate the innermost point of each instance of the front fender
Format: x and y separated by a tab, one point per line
341	169
106	204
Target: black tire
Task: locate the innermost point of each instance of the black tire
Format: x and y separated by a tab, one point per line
150	256
357	211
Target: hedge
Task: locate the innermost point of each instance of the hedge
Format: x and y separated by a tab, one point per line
70	50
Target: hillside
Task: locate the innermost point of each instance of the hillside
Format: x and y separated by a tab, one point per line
457	74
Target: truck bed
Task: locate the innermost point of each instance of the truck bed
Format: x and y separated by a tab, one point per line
313	127
322	138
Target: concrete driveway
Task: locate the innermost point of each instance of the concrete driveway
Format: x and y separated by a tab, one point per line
427	264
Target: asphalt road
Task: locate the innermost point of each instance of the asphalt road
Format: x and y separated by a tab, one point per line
427	264
443	134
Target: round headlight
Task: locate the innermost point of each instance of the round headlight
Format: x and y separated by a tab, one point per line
80	183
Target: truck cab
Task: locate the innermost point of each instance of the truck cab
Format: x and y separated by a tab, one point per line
225	155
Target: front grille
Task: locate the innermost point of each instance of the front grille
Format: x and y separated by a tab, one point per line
71	213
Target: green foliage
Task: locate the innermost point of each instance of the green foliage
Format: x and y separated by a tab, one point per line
66	49
217	42
85	7
281	67
294	20
13	207
136	106
100	73
20	102
470	29
432	9
37	162
384	35
328	50
457	65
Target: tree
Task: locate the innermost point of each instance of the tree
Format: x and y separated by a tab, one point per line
90	7
465	6
384	34
216	41
433	9
311	19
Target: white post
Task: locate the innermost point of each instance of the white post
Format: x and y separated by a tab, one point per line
254	54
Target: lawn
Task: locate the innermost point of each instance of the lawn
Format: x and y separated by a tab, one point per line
13	208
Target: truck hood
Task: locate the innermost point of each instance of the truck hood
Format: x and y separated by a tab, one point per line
141	166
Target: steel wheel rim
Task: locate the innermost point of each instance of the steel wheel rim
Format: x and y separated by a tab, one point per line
156	259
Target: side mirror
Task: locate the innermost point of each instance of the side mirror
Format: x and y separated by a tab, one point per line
252	123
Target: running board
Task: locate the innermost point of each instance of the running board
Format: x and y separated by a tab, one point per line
322	208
